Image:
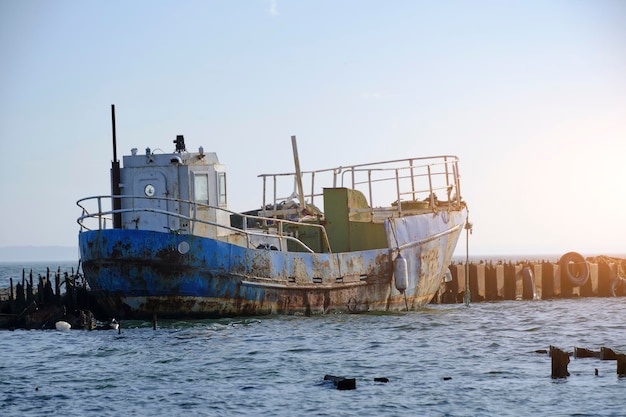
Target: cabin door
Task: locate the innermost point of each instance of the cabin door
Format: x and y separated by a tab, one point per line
152	206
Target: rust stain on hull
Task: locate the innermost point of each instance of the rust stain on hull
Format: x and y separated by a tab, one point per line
139	275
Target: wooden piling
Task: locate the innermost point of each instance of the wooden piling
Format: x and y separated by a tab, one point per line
564	284
450	288
537	280
341	383
509	281
477	282
40	306
491	282
30	296
11	298
57	287
480	281
547	280
585	353
605	279
560	360
40	290
607	354
621	365
593	279
500	281
459	278
586	290
527	283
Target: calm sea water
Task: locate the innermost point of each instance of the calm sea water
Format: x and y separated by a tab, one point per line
448	360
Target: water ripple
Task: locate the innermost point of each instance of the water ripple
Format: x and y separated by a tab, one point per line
442	360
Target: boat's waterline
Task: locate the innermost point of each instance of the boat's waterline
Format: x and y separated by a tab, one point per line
217	279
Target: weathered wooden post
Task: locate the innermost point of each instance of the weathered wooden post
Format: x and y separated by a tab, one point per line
449	287
459	280
57	287
473	282
605	279
20	299
480	281
11	297
500	281
607	354
621	365
567	288
48	293
40	289
528	283
593	278
69	294
538	281
547	280
509	281
586	290
491	282
585	353
560	360
29	288
341	383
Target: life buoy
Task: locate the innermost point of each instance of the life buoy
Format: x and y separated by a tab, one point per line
575	268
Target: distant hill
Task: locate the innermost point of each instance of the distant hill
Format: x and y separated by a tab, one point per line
38	253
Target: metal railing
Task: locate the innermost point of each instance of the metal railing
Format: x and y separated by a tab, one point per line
103	216
402	180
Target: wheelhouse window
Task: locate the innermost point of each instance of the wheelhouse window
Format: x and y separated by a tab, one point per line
221	188
201	188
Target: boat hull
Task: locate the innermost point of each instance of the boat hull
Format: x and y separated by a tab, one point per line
136	274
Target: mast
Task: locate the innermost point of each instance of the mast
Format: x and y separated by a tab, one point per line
296	160
115	178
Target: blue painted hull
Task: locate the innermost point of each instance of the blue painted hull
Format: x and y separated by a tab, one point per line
140	273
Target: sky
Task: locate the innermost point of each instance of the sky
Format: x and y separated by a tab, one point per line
530	95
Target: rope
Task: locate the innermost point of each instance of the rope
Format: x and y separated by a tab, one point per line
468	230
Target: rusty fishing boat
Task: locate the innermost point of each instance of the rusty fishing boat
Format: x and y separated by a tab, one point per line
164	242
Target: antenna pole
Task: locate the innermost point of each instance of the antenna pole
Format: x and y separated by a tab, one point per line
115	178
296	160
114	133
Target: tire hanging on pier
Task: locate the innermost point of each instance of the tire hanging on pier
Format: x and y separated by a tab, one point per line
575	268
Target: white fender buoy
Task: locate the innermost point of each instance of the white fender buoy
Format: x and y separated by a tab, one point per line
62	326
401	274
114	324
